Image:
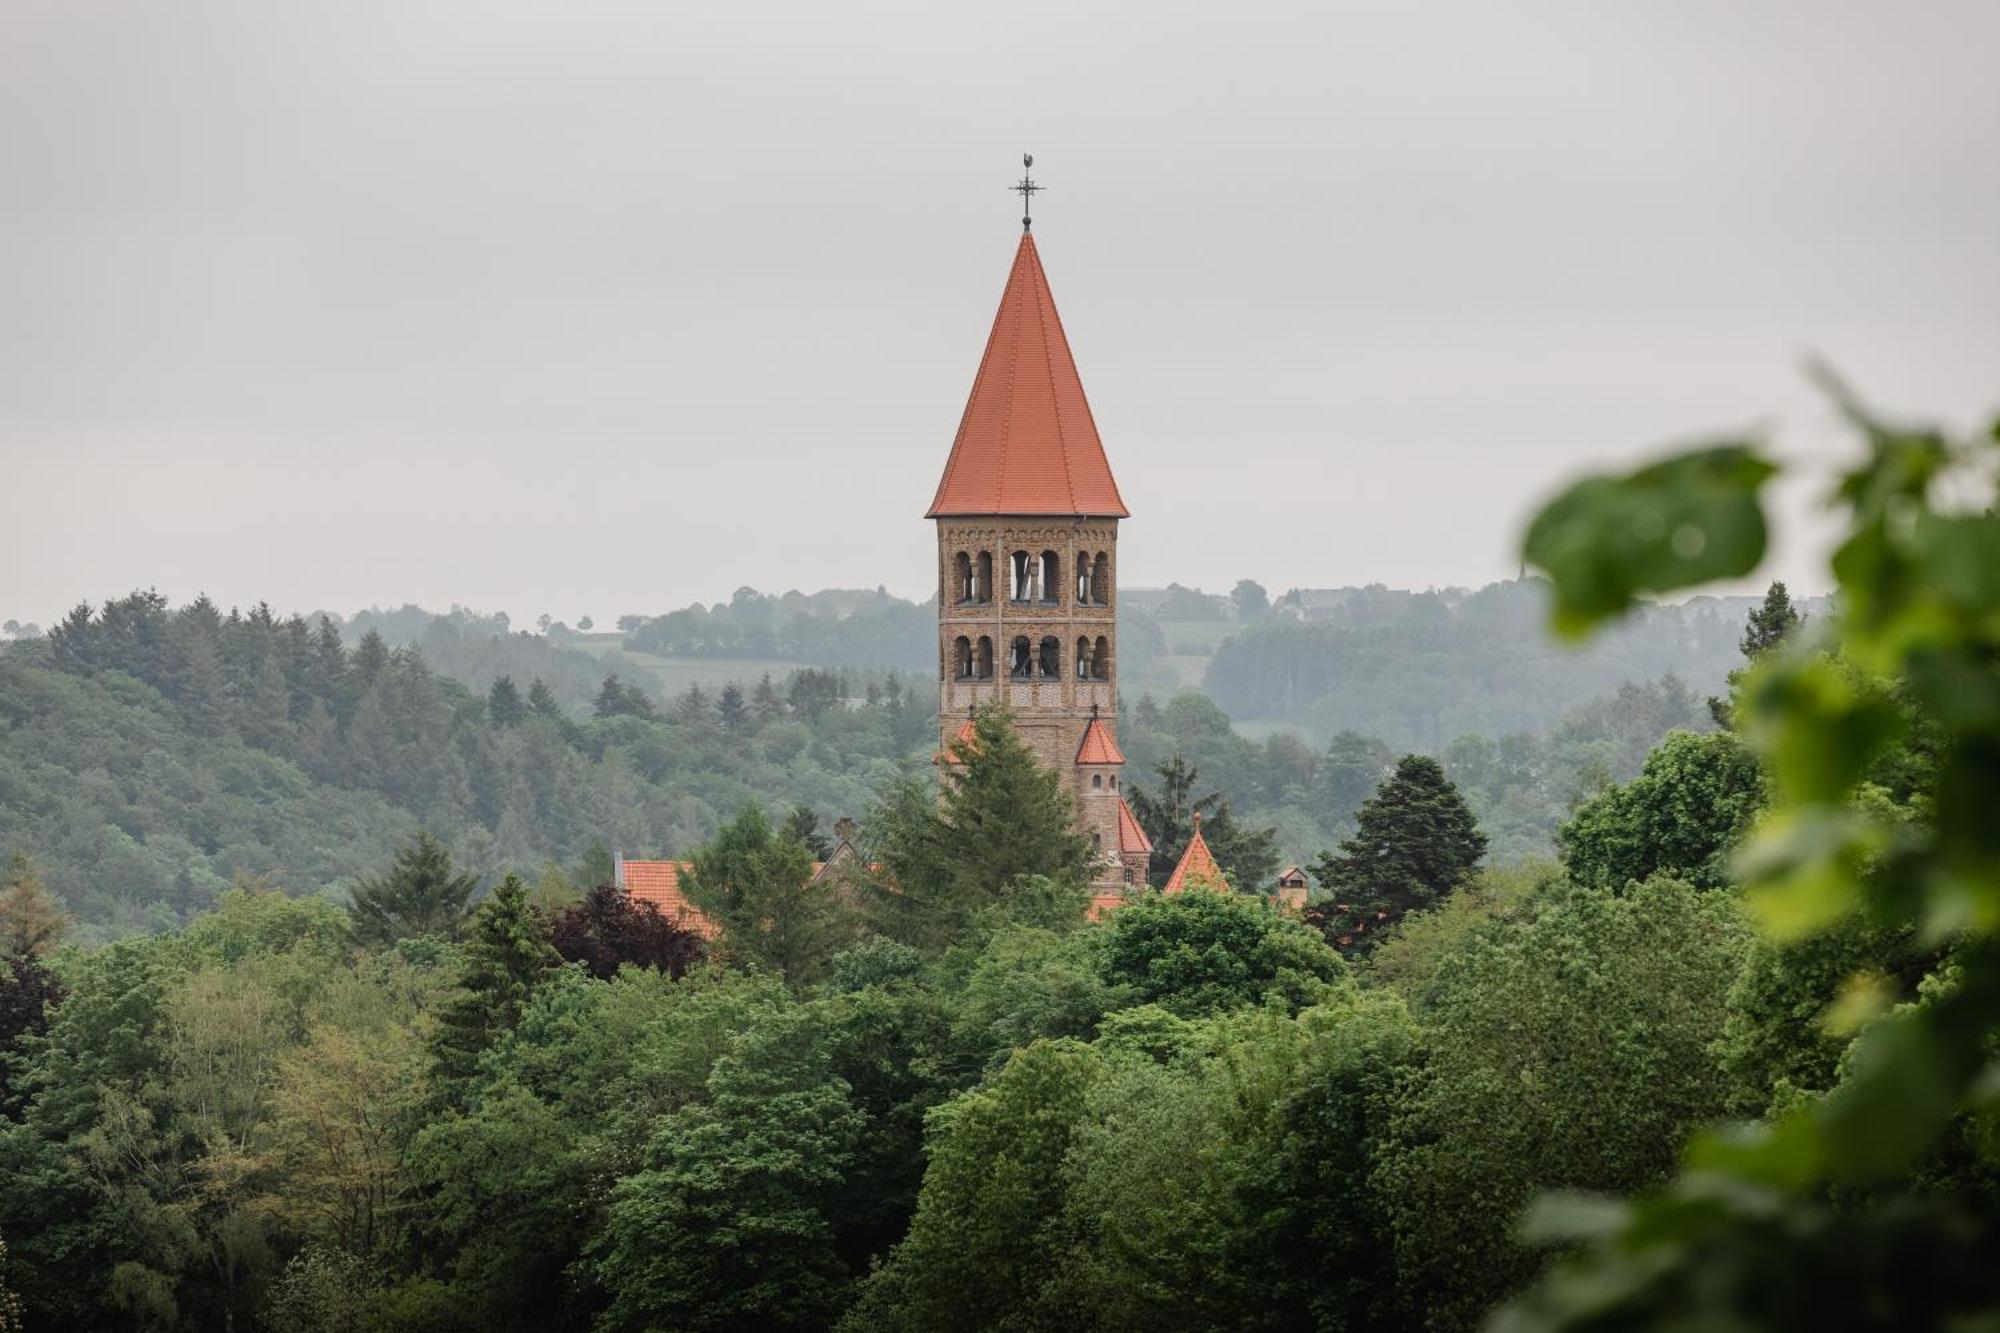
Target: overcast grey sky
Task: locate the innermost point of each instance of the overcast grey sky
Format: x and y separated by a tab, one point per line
588	308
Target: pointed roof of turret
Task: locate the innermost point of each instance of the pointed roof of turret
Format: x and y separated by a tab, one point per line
1197	863
1027	443
1098	747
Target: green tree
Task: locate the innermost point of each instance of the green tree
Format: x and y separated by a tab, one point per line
507	954
1003	816
542	701
1810	1220
1352	768
1198	952
730	709
421	894
504	707
757	884
803	824
1770	622
1568	1052
1251	601
730	1226
1248	857
1414	842
1682	815
987	1235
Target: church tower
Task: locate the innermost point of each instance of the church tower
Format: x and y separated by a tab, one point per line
1027	524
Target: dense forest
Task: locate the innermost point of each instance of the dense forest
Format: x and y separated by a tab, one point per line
923	1091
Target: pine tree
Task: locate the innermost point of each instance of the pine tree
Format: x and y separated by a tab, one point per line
542	701
1248	857
264	718
766	702
756	883
692	707
199	679
803	825
731	710
503	703
421	894
1770	623
1415	842
1003	817
371	659
507	953
329	676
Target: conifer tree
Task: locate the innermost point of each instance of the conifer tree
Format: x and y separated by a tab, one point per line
766	702
692	707
328	674
731	710
421	894
1770	622
1247	856
1003	817
199	683
503	703
371	659
265	714
542	701
507	954
755	882
1415	842
802	824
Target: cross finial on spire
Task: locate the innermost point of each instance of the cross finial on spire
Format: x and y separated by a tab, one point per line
1026	189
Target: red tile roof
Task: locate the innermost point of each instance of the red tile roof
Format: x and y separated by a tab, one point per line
1197	864
967	735
1131	838
659	883
1098	747
1104	902
1027	443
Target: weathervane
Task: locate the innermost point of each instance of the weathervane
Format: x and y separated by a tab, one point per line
1026	189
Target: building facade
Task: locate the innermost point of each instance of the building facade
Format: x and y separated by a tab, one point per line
1027	516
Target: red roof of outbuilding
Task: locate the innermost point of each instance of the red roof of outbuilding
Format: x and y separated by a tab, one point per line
659	883
1098	747
1027	443
1197	863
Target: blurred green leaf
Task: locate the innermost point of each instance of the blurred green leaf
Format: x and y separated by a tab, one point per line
1686	520
1562	1218
1819	724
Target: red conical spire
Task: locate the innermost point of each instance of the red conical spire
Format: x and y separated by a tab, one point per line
1027	444
1197	865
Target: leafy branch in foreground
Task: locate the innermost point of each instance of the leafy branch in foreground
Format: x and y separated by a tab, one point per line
1872	1206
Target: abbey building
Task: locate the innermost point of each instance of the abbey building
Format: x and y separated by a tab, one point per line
1027	517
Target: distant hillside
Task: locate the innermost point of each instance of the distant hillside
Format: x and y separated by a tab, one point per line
1418	669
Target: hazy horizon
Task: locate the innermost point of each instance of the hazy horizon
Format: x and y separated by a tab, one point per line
594	312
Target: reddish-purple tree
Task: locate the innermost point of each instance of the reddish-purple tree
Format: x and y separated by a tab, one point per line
607	930
28	991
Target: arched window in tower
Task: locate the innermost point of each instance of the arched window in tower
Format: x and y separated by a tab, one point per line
1097	781
1051	577
1100	659
962	577
983	664
1100	579
1051	656
1020	658
1024	576
1083	578
962	657
982	586
1096	842
1082	658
